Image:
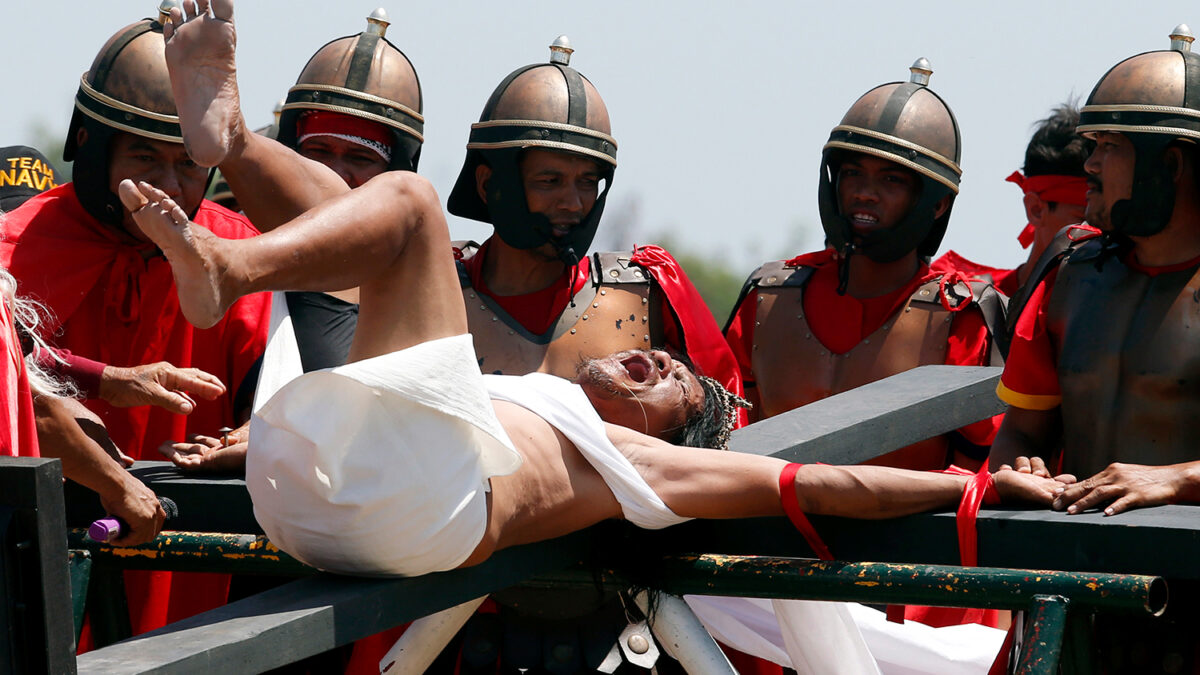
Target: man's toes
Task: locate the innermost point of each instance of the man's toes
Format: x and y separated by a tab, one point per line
155	195
223	9
131	196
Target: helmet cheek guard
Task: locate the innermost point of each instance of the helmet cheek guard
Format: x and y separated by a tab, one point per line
364	76
541	106
127	90
905	123
1153	99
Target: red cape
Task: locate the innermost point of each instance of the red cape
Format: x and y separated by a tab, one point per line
112	304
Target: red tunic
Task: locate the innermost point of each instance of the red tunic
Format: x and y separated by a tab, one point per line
841	321
113	299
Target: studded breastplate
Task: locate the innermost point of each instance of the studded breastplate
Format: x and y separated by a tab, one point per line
611	313
1128	348
792	368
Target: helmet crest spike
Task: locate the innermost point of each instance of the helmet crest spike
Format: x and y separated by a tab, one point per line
377	22
1182	38
561	50
920	71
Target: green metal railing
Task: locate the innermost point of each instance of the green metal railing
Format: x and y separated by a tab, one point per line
1046	596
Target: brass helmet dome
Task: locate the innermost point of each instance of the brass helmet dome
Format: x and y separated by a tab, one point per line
544	105
127	89
906	123
364	76
1153	99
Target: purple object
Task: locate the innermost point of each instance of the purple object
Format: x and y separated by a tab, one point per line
110	528
104	529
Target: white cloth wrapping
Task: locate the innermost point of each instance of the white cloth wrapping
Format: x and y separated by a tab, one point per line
814	637
380	467
564	405
281	359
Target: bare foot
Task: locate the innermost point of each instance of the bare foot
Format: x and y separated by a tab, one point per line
190	250
200	58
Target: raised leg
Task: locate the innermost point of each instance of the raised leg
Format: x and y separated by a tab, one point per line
388	236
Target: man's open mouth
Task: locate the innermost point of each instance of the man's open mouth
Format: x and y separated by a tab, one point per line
638	366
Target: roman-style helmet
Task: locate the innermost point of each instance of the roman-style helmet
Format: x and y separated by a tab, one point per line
1153	99
544	105
364	76
906	123
127	89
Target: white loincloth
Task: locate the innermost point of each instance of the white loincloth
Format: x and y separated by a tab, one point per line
380	467
281	359
564	405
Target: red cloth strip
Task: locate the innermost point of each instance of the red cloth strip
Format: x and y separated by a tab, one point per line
1053	187
791	506
979	490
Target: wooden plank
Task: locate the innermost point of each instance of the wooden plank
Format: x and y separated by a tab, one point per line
37	584
876	418
315	614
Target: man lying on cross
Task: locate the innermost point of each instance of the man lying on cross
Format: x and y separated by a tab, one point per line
407	460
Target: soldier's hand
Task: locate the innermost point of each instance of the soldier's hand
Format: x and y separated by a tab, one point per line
160	384
138	506
1123	487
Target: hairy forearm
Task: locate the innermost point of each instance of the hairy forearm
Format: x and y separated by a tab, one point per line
874	491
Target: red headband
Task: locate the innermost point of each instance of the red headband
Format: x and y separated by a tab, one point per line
318	122
1053	188
1050	188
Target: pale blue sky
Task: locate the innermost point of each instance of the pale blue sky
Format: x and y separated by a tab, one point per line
720	109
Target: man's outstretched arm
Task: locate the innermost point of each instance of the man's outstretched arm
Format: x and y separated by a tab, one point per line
700	483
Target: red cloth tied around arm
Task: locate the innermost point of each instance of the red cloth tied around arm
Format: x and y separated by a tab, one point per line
979	490
791	506
703	342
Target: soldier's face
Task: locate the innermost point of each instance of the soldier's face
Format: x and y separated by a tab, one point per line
562	186
353	162
646	391
163	165
874	193
1110	177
